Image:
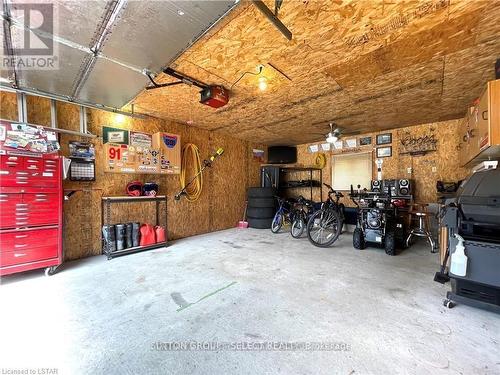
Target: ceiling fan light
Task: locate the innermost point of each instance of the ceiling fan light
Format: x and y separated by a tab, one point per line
331	138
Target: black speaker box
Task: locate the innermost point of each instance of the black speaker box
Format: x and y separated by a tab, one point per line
404	187
281	155
376	186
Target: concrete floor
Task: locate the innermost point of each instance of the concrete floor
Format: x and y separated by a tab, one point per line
245	286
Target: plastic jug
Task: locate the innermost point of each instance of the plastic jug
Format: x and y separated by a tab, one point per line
458	263
147	235
160	234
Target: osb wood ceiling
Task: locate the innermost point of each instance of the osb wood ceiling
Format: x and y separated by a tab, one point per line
365	65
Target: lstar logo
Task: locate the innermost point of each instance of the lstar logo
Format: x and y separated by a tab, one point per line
33	26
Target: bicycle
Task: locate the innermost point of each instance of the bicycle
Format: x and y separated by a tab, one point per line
301	216
284	215
325	225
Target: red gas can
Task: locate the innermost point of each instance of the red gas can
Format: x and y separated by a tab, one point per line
147	235
160	234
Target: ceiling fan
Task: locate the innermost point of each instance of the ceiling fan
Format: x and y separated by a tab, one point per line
336	132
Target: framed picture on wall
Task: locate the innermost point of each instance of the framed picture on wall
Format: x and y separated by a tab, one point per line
384	152
313	148
384	139
364	141
326	146
351	142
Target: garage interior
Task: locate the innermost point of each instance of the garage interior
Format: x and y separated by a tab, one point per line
250	187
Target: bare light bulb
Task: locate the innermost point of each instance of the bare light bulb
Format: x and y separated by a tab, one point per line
262	83
119	118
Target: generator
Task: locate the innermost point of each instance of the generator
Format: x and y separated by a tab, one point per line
474	215
378	222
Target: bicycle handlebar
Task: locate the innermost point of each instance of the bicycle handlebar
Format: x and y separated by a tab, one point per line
337	193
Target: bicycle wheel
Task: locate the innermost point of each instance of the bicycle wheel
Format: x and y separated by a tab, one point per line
277	222
323	228
298	226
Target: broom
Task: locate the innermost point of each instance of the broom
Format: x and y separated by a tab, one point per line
242	224
442	276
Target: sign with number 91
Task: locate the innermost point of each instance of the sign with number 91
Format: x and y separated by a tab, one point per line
114	153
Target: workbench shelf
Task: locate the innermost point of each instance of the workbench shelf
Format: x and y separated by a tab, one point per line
106	203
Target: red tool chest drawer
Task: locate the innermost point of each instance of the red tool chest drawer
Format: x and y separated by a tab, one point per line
8	205
27	254
30	212
27	239
33	164
11	162
8	201
22	171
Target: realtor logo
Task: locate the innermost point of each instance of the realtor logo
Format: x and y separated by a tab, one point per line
34	23
31	37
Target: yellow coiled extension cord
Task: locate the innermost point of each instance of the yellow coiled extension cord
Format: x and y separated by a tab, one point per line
191	159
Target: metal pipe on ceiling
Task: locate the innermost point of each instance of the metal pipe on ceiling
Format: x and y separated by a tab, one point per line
271	17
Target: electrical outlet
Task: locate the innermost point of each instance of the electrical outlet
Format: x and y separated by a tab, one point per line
408	170
434	169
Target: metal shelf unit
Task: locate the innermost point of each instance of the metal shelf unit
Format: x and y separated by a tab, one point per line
106	203
311	170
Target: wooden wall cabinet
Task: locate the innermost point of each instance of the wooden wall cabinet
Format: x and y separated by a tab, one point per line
480	131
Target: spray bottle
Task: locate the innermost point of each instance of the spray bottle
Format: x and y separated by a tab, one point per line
458	263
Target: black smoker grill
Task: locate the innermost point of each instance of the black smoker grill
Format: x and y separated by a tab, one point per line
475	215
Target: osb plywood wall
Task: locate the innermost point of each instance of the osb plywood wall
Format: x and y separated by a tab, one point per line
220	206
445	159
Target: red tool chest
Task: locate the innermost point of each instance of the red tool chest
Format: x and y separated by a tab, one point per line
30	212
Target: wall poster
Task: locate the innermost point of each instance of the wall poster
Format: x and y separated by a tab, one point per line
158	153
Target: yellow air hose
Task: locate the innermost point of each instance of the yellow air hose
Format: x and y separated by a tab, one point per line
320	161
191	159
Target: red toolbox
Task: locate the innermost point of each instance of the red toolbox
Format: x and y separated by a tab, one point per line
31	197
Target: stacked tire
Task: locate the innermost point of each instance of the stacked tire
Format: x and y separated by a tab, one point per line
261	207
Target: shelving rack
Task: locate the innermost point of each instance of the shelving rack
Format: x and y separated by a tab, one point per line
311	170
106	203
275	174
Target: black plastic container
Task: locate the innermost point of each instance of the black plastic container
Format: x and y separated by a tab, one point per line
128	235
120	233
109	238
136	234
